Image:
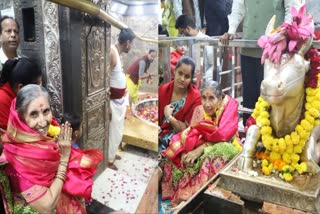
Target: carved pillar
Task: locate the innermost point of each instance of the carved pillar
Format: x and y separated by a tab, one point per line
5	4
85	45
42	45
52	58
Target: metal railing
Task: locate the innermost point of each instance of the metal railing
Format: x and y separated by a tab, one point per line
196	49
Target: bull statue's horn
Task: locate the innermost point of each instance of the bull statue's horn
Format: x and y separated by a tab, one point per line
89	7
270	26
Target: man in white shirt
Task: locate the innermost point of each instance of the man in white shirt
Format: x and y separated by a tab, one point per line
9	39
118	103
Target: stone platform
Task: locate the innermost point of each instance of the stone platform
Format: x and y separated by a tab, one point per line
302	193
139	133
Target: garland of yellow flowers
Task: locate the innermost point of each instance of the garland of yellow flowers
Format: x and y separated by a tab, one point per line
283	154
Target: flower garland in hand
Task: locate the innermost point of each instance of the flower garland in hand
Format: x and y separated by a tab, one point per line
283	154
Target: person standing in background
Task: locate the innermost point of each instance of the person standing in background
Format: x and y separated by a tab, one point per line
168	18
118	104
16	74
9	39
175	55
189	8
138	71
216	16
254	23
187	27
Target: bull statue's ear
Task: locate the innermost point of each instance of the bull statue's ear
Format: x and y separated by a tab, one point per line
307	44
270	26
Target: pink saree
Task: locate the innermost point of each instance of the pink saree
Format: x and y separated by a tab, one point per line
34	159
179	183
222	129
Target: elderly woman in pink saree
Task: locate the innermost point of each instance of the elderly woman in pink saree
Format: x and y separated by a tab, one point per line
45	175
201	151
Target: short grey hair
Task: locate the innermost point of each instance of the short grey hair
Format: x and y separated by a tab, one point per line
214	87
27	94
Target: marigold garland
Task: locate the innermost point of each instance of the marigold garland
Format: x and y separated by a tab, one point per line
283	154
206	116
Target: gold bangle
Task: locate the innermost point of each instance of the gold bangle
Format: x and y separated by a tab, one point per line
61	174
64	163
62	179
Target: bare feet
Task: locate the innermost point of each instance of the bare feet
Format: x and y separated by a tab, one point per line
112	166
118	157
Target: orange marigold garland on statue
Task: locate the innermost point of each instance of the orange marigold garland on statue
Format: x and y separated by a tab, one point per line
282	155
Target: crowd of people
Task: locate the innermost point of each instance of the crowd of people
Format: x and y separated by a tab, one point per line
222	19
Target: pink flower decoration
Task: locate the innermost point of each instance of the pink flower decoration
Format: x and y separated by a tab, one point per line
290	35
273	46
299	29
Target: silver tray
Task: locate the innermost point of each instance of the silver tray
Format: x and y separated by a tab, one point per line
150	102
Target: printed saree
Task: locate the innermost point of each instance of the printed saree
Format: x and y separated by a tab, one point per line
165	138
33	160
180	182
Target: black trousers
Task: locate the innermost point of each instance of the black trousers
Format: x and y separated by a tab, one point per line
252	76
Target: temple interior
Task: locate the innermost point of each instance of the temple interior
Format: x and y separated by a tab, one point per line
206	125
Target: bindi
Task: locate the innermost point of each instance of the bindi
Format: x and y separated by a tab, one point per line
41	106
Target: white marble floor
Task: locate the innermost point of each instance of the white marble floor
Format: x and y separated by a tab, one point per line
123	189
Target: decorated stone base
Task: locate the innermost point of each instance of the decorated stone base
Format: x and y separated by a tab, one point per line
302	193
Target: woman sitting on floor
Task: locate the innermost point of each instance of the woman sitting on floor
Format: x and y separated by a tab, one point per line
177	100
202	150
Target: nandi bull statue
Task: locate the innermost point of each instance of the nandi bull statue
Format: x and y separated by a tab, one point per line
286	116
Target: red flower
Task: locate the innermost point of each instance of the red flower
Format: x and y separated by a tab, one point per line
312	83
250	121
317	35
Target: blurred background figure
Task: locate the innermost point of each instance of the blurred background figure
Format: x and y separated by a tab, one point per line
190	8
175	55
16	74
9	39
168	18
216	16
138	71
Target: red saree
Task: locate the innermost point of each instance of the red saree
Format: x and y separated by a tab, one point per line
179	183
35	158
185	113
221	130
